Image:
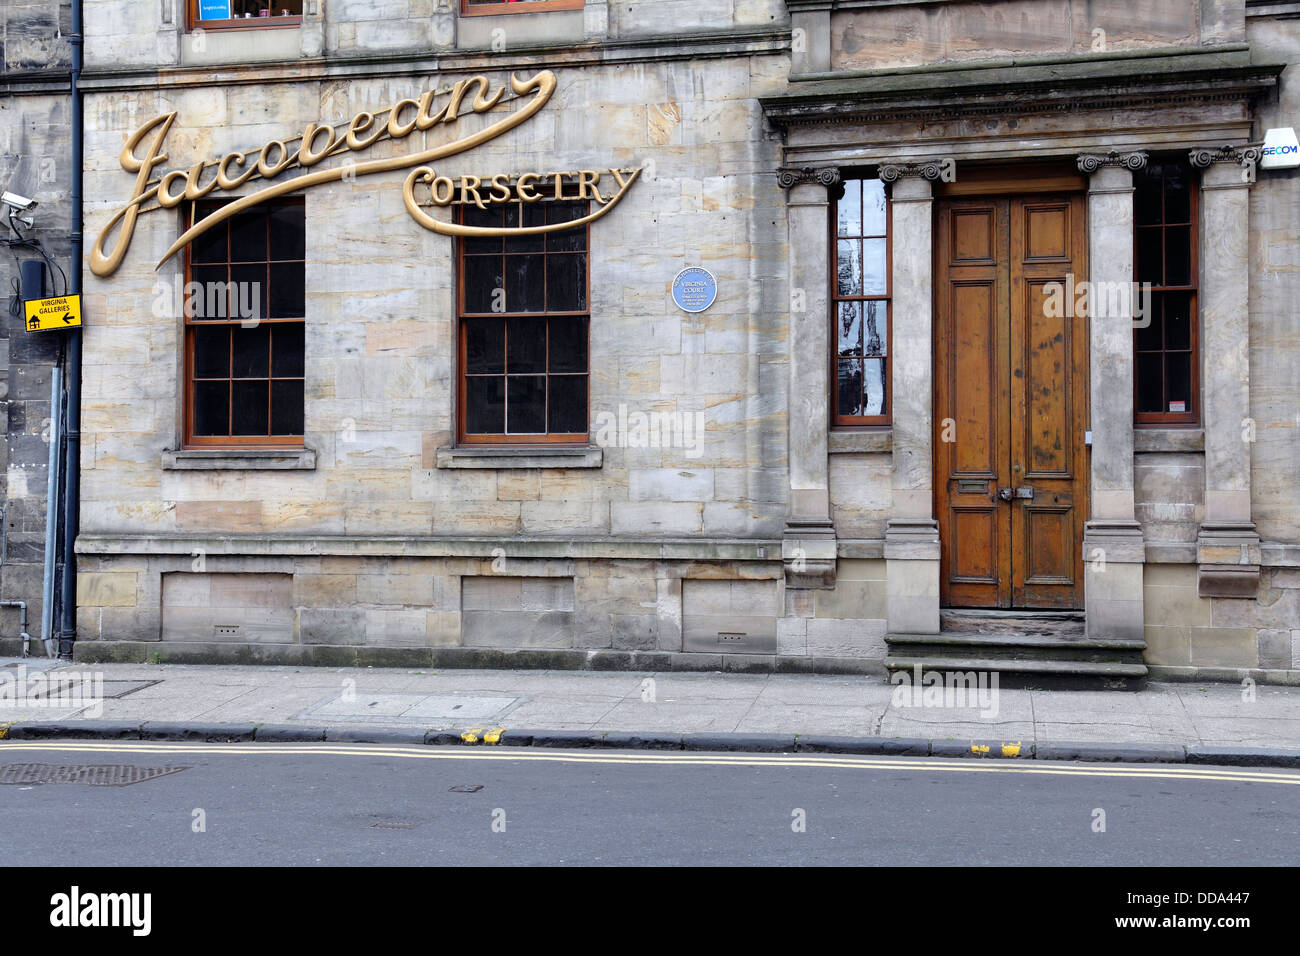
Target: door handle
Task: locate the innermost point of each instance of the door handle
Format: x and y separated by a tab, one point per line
1006	494
1010	494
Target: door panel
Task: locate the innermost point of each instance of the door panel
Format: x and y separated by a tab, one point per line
1010	402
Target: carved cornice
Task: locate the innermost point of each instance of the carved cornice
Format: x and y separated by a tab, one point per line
930	169
1091	162
790	176
1244	156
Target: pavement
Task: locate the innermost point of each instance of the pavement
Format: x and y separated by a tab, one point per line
1244	724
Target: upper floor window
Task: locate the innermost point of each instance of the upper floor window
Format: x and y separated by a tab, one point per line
245	328
479	8
523	327
1166	375
237	14
860	305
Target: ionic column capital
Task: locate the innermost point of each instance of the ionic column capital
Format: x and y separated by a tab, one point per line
1245	156
926	169
790	176
1091	162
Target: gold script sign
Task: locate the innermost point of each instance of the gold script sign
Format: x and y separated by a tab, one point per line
316	144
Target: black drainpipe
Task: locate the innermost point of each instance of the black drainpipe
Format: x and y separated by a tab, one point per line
72	463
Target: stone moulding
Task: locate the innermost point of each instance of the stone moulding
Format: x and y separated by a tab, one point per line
790	176
1244	156
1091	162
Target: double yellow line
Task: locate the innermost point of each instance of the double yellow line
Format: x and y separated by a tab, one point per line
665	758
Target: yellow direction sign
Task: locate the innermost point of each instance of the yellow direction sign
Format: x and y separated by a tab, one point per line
61	312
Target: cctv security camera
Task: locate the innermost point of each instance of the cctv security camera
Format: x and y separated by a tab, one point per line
19	203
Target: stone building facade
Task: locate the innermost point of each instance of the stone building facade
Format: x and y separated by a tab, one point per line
36	162
895	425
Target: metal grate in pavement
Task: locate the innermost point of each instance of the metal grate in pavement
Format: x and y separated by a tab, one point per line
95	775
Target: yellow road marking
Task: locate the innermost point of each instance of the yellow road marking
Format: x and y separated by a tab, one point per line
676	758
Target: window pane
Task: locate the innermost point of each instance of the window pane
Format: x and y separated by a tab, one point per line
1178	380
288	292
1178	255
875	333
534	214
485	405
1178	325
206	297
874	387
570	239
1148	256
566	282
482	279
525	284
849	209
251	352
248	236
286	408
248	410
288	232
212	352
850	328
526	404
485	346
1146	196
568	345
473	216
211	246
526	346
211	408
875	281
248	292
873	208
1178	204
1150	382
1151	338
567	403
287	349
849	279
850	387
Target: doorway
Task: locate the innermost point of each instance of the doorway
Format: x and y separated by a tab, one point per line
1011	400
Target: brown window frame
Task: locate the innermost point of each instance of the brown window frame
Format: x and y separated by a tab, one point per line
462	315
192	21
883	420
520	6
1192	416
190	323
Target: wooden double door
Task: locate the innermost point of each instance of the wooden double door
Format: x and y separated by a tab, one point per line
1011	400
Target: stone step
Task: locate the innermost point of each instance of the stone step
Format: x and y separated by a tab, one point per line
1045	647
1063	674
1012	622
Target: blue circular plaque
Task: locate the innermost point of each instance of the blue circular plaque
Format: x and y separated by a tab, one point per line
694	289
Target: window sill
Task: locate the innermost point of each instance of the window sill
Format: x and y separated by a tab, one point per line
536	456
860	442
1168	439
240	459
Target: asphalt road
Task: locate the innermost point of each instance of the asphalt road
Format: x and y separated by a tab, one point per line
355	805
